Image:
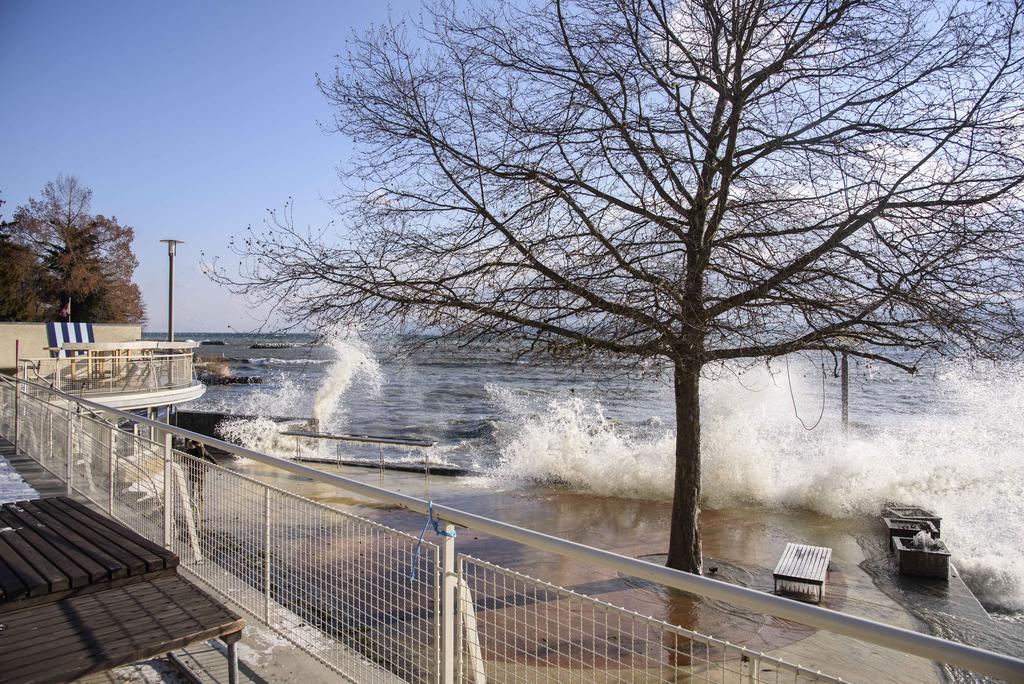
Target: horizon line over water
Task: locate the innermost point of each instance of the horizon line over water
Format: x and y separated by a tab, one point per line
942	439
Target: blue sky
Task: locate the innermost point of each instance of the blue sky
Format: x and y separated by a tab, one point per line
187	120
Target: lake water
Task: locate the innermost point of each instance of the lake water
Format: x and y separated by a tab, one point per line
947	438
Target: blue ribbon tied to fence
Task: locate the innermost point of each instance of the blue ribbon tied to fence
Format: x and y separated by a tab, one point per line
430	521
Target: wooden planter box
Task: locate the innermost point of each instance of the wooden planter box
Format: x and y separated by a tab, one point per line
921	563
908	527
912	513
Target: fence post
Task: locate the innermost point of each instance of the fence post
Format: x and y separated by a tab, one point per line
17	412
111	468
266	555
469	633
70	465
450	581
754	671
168	516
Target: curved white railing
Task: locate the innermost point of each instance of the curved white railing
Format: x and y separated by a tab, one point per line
458	643
92	376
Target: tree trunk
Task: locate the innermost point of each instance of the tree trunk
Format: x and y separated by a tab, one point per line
684	550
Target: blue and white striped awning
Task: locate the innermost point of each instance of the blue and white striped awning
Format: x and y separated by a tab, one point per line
61	333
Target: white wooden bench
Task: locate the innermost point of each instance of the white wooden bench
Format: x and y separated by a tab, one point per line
803	565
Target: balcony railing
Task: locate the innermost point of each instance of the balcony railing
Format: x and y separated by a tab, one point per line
380	605
94	375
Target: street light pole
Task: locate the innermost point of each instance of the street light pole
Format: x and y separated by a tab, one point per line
171	249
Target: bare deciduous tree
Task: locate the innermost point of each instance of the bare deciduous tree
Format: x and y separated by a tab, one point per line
698	181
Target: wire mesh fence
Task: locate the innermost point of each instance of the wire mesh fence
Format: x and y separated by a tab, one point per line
515	628
363	584
360	597
363	598
43	428
138	495
336	585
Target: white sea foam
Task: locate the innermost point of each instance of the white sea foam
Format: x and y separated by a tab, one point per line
353	362
268	361
962	459
259	434
289	396
571	441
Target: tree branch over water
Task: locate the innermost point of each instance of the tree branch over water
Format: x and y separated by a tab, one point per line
695	181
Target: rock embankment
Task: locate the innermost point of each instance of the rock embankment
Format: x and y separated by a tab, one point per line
218	372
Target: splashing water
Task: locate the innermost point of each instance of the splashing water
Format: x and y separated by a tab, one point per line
258	434
352	360
571	442
960	457
353	364
947	442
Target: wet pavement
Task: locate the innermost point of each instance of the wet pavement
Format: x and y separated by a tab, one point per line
741	546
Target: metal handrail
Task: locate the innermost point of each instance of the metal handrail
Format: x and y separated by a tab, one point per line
362	439
123	374
863	629
134	356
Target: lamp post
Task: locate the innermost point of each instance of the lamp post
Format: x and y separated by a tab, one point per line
171	248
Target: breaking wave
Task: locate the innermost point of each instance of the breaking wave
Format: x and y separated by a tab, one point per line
353	362
948	442
268	361
962	459
259	434
353	365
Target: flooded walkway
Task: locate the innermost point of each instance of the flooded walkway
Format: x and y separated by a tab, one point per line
741	546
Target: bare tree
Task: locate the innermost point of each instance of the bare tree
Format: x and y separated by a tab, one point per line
699	181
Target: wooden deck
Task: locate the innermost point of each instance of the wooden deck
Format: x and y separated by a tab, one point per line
52	548
64	640
81	593
803	565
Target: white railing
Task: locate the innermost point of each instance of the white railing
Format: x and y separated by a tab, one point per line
377	604
94	375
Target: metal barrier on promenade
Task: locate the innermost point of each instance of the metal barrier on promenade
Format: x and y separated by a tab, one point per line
91	376
379	605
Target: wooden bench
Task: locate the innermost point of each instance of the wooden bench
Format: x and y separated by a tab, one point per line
803	565
80	594
64	640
